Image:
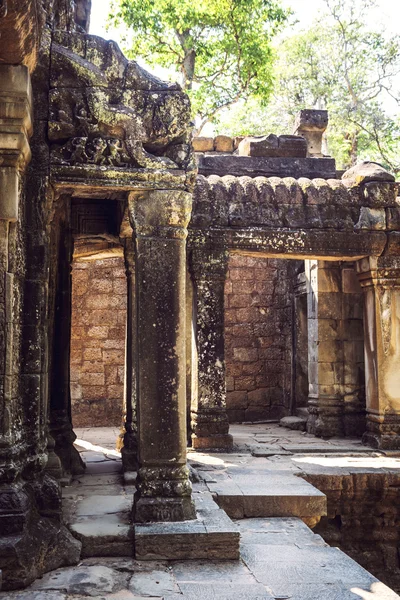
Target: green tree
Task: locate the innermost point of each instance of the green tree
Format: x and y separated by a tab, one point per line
341	64
220	49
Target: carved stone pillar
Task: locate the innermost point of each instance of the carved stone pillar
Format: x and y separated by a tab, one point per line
160	219
380	280
335	367
129	449
15	130
210	423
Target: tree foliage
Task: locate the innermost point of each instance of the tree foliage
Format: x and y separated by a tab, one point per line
221	49
341	64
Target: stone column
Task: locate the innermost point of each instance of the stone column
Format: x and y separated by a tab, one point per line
300	342
210	423
60	394
380	279
129	449
325	348
335	368
159	219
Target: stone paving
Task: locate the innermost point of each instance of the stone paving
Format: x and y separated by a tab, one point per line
280	558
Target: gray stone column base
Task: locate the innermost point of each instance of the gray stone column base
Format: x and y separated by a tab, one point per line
383	432
212	442
154	509
212	535
325	416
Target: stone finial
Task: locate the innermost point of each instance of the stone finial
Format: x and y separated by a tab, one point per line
311	124
366	172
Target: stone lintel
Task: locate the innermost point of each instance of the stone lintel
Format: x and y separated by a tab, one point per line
253	166
91	181
296	243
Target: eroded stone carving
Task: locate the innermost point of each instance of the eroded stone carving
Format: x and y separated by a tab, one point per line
106	110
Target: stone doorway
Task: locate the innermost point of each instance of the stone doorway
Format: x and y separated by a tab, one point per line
98	330
259	333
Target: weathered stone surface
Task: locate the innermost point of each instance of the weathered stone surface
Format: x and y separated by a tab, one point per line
90	581
296	423
311	125
20	30
364	173
203	144
379	278
212	535
372	219
223	143
273	146
253	166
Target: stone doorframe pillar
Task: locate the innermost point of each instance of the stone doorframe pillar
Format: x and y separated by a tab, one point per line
209	417
380	279
129	450
15	154
336	401
159	219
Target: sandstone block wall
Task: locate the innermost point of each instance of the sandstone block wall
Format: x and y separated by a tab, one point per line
258	338
99	299
363	518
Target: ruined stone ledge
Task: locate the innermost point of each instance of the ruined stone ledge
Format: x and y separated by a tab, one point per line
296	243
266	167
92	181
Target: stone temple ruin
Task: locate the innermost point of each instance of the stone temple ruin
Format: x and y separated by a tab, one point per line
97	160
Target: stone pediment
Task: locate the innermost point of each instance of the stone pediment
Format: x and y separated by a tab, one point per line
108	114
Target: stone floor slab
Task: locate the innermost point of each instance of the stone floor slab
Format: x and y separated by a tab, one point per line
227	591
96	505
89	581
158	582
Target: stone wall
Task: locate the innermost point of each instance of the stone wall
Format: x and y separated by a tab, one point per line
363	518
99	299
258	338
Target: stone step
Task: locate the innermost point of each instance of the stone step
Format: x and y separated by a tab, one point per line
211	535
251	491
295	423
105	535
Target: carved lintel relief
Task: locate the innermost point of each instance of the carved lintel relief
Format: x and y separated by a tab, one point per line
15	130
106	111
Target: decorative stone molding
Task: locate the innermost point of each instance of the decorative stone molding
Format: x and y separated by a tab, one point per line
15	130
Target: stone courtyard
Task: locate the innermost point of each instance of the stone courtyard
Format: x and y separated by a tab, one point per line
280	556
199	385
